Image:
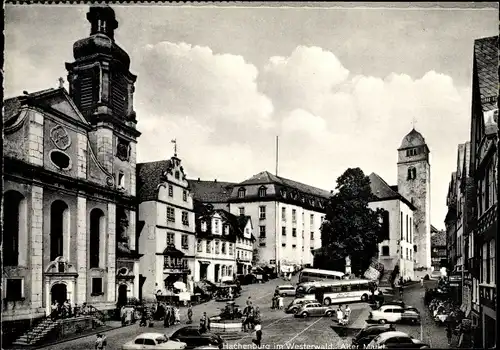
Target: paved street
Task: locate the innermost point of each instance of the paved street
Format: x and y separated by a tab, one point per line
284	331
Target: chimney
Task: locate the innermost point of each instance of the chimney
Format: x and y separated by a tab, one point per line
198	179
215	180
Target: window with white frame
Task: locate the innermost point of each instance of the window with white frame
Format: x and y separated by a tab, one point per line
170	214
485	263
170	190
283	231
312	221
242	210
262	231
217	249
492	262
241	193
238	254
184	242
216	226
231	249
294	215
185	218
262	191
223	248
184	195
262	212
312	236
170	238
97	286
199	246
203	226
209	247
294	232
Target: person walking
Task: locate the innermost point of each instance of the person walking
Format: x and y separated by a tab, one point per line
100	343
177	314
280	303
258	335
203	323
347	314
340	315
449	333
422	282
190	314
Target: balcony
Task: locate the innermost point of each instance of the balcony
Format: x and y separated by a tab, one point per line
488	296
487	223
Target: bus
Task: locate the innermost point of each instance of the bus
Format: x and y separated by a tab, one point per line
307	275
335	292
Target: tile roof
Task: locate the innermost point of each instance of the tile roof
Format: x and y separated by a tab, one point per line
266	177
148	177
438	239
382	190
12	106
486	61
211	191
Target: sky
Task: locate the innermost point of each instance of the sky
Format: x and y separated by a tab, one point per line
340	85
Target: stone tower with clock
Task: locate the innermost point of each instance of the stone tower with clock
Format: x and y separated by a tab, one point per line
414	183
102	87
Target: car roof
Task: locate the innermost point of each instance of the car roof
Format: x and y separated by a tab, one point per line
391	334
286	286
390	306
150	335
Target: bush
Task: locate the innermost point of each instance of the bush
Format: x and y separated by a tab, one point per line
427	277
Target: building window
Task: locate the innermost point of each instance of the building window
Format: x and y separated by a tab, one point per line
177	175
209	247
283	231
407	230
412	152
223	248
238	254
492	279
59	228
283	244
410	254
184	195
411	231
385	250
185	218
294	246
303	220
415	248
96	239
14	229
231	251
184	242
121	180
170	191
294	215
170	214
203	226
302	234
199	246
217	250
401	228
312	236
14	289
97	286
242	210
216	226
170	238
262	244
262	212
262	230
283	213
294	232
241	193
385	225
412	173
302	248
262	191
312	221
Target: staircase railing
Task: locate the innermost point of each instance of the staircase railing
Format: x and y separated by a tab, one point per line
34	332
95	312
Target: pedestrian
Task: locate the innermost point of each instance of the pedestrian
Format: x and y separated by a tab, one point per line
100	343
53	309
257	315
203	323
280	303
347	313
340	314
249	301
258	335
449	333
422	282
190	314
177	315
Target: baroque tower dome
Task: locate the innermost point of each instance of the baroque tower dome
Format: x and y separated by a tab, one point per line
412	139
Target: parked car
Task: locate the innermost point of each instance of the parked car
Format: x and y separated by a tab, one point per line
297	303
193	338
396	340
286	290
395	302
393	314
367	334
315	309
153	341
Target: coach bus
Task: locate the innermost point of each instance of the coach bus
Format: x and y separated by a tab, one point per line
313	275
335	292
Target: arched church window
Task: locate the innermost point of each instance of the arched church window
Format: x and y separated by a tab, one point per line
59	228
96	238
14	229
412	173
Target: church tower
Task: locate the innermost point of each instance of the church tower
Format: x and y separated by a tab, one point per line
414	183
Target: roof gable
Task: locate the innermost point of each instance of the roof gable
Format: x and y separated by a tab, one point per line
486	64
382	191
211	191
148	178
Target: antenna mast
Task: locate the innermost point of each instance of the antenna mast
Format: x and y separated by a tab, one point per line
277	154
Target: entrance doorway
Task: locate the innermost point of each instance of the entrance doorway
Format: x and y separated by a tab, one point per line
216	272
203	271
122	295
59	293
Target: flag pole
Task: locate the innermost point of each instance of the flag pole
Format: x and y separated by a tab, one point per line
277	154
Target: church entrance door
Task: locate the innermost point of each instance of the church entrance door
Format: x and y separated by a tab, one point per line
59	293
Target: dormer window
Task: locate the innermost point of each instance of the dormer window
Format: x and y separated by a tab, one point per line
262	191
241	193
177	175
226	229
216	226
283	193
203	226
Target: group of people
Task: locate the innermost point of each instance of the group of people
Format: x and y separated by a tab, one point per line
343	315
277	301
251	316
65	310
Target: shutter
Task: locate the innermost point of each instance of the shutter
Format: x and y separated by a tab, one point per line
87	90
119	94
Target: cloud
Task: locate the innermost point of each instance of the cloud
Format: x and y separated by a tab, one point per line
182	79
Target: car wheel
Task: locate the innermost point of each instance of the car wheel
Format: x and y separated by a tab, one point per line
329	313
364	297
328	301
382	321
304	314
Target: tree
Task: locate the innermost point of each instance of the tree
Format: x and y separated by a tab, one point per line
350	227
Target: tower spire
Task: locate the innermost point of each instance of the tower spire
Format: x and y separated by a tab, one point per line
102	20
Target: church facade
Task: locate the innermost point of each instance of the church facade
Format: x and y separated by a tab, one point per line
69	179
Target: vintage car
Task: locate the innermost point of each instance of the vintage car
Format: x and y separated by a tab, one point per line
153	341
394	314
192	336
314	309
367	334
286	290
297	303
396	340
